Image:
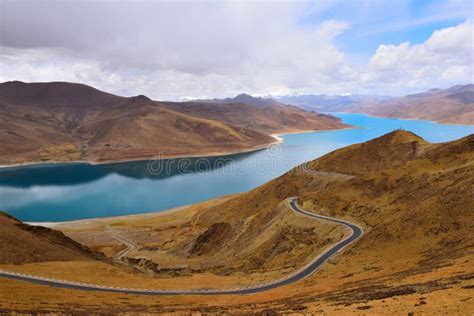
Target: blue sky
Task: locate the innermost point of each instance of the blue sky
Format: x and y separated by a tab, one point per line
376	22
203	49
354	42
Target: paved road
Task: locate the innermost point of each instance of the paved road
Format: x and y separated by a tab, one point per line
307	270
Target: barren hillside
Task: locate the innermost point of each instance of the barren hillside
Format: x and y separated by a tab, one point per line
453	105
264	115
61	121
22	243
413	199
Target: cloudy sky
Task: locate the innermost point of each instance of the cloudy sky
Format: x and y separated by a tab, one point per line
199	49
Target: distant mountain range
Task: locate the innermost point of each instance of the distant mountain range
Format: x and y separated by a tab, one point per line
60	121
453	105
246	99
330	103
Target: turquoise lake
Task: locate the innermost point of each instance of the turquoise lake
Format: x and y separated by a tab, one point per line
62	192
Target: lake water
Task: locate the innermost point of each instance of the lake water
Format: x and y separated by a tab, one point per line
60	192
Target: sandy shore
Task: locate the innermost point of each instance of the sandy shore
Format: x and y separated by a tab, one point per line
98	220
130	217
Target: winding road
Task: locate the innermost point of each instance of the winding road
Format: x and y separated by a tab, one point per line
307	270
129	245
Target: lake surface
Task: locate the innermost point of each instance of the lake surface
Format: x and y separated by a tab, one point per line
60	192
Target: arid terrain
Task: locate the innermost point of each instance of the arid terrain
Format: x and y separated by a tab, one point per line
60	121
331	103
413	199
244	157
453	105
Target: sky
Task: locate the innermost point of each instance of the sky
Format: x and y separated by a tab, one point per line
203	49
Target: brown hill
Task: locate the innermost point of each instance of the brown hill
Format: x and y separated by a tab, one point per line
331	103
395	181
63	121
56	94
413	199
453	105
245	99
273	117
393	149
22	243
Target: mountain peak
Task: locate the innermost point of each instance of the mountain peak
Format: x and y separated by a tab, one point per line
400	136
13	82
56	93
374	155
255	101
243	95
140	98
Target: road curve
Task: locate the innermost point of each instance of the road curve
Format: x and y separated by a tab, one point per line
129	245
307	270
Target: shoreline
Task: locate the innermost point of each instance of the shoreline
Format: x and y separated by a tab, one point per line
108	218
320	130
406	118
278	140
277	136
98	220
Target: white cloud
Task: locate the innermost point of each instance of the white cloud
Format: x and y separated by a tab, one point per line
169	51
330	29
446	58
174	50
